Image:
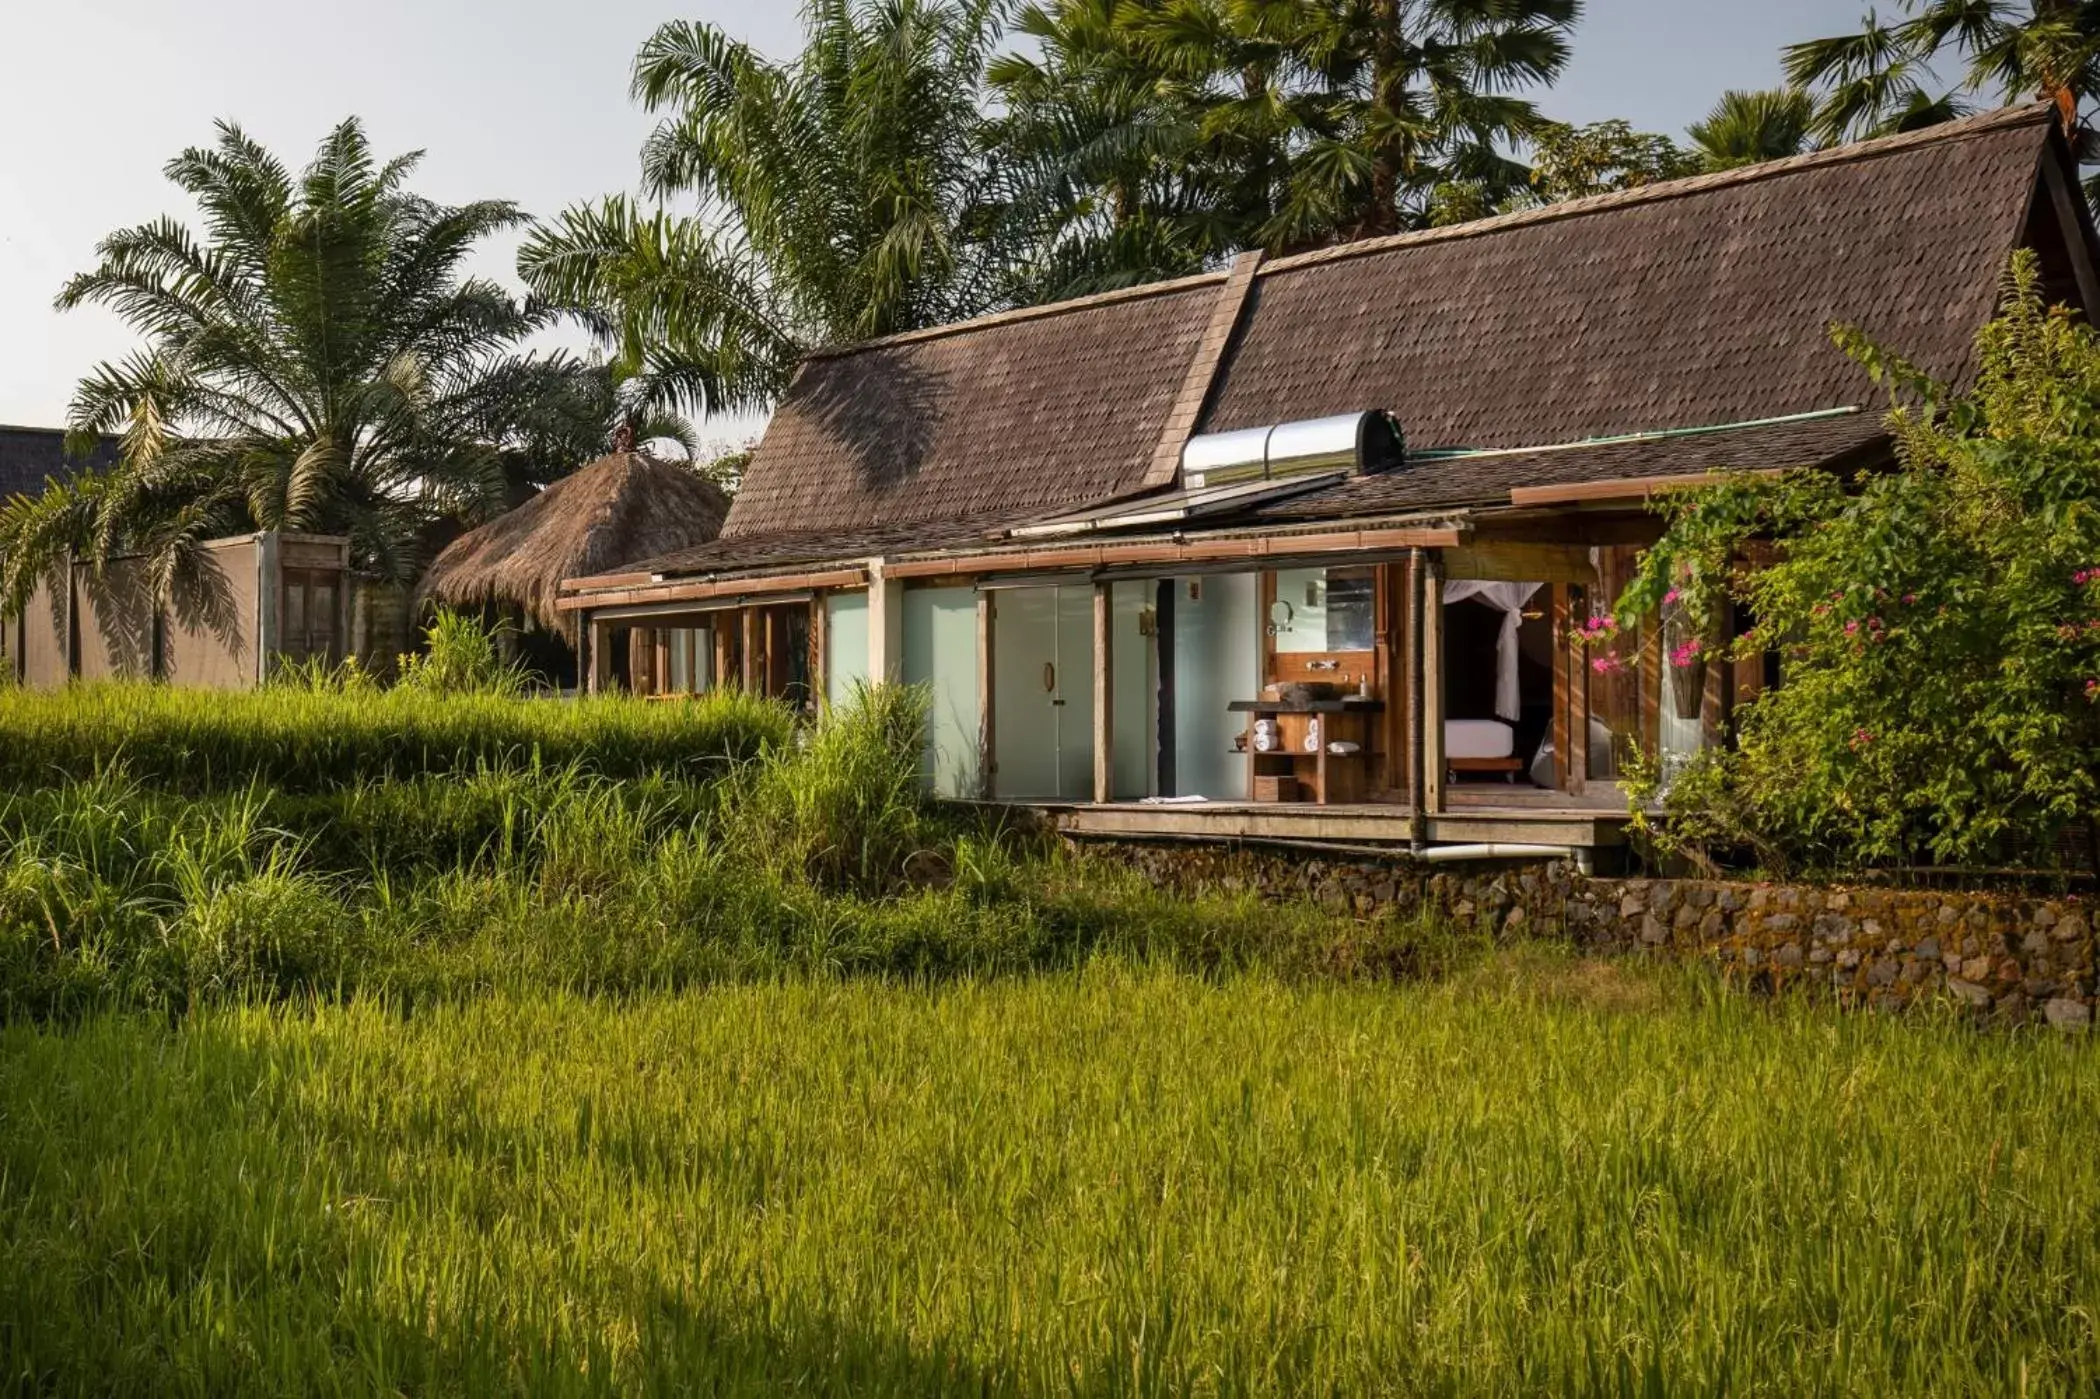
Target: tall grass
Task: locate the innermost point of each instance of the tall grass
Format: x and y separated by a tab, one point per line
1541	1177
363	854
301	740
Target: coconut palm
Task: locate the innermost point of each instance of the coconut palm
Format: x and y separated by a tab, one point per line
1746	128
314	361
843	194
1882	77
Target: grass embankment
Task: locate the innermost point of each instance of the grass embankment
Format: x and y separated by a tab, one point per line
1561	1179
166	849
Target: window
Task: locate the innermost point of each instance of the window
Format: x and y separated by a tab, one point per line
1323	610
307	613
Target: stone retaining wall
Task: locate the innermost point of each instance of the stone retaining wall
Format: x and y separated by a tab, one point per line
2012	958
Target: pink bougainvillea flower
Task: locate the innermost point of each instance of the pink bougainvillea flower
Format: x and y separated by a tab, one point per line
1685	654
2092	689
1861	738
1909	599
1670	597
1851	627
2086	575
1607	665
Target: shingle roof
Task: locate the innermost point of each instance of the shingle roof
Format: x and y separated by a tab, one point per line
794	548
31	456
1488	480
1015	414
1694	303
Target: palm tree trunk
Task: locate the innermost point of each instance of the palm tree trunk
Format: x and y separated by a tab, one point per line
1387	77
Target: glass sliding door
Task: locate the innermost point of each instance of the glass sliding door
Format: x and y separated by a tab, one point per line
845	645
1216	649
1043	693
940	653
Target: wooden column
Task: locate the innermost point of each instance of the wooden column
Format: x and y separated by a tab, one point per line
987	719
1104	694
1577	760
1432	697
601	658
751	657
819	652
1717	714
1560	617
641	659
1414	759
660	675
719	630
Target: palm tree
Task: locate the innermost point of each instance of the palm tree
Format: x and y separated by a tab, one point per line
844	194
1879	79
1359	110
1747	128
1105	145
314	362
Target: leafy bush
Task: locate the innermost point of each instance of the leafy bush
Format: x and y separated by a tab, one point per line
1939	626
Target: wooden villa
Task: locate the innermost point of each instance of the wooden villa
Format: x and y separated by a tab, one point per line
1291	550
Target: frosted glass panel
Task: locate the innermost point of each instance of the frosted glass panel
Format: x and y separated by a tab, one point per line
1043	690
1136	685
846	644
1075	688
1025	682
940	652
1216	661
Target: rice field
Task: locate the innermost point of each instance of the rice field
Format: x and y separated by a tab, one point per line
378	1045
1538	1176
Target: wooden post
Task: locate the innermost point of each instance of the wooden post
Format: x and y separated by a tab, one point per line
1104	693
718	628
987	732
1561	618
1717	713
750	652
601	660
641	655
660	674
819	652
1577	758
1432	697
1416	760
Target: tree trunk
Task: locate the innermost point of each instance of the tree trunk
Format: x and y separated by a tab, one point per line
1388	78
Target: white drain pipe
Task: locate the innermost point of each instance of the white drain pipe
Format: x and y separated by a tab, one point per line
1442	854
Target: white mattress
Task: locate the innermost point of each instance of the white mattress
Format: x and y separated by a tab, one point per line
1478	738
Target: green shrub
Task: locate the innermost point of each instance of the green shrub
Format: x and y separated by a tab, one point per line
1938	625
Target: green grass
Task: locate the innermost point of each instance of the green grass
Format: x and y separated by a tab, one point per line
1541	1177
366	1043
301	740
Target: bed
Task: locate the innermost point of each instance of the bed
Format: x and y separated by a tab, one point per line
1481	745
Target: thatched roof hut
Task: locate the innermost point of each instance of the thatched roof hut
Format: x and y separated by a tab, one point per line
620	508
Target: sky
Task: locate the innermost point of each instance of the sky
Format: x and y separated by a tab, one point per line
523	100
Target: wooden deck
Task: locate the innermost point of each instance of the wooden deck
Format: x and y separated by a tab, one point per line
1483	813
